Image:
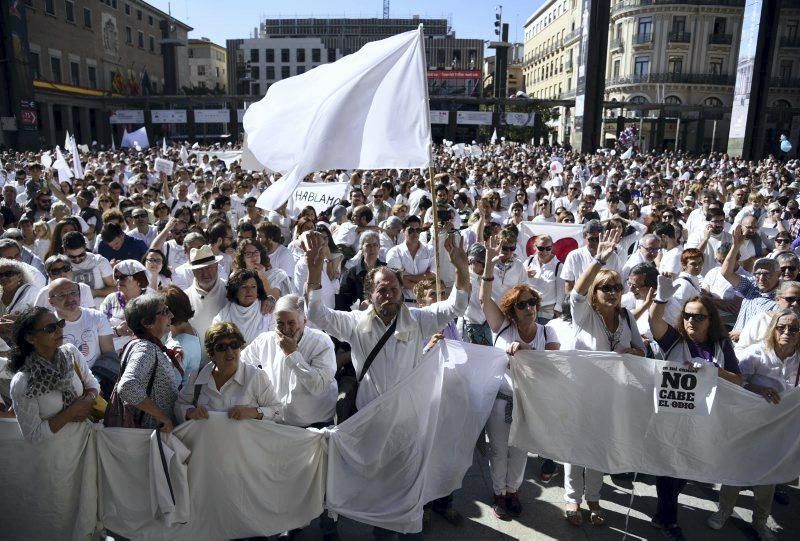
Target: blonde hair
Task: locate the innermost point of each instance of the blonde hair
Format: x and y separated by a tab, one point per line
769	338
41	230
603	277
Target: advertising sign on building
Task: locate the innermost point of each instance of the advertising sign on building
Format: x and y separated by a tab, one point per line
476	118
128	116
168	116
212	116
440	117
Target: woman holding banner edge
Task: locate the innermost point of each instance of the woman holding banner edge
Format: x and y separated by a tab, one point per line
697	337
600	324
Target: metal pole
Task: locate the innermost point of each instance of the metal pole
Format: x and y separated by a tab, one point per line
641	130
436	250
713	135
677	133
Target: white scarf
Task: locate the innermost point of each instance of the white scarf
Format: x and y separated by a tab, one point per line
250	321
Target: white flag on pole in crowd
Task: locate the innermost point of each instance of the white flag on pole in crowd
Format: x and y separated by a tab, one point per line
134	138
566	237
77	168
628	154
164	146
62	167
494	137
184	155
368	110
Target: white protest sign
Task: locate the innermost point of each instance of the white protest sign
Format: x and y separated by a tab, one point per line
556	168
164	166
684	389
321	196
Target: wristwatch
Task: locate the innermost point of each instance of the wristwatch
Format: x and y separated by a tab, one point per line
260	413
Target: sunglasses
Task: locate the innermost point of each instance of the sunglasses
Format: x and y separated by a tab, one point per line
8	274
521	305
782	241
699	318
611	288
783	328
58	271
789	268
791	300
179	231
222	348
51	328
79	258
544	248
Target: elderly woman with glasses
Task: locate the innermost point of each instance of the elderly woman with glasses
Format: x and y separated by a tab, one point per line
769	368
130	277
514	328
151	373
17	291
247	306
697	337
601	324
59	266
226	384
53	384
252	255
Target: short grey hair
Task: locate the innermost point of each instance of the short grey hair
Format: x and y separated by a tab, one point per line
27	277
593	226
367	236
142	310
647	237
10	243
786	286
13	233
787	257
291	303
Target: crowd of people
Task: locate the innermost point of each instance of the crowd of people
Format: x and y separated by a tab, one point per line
174	296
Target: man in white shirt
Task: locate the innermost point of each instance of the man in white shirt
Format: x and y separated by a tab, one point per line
182	275
671	255
708	238
412	257
543	268
509	271
88	268
142	230
348	233
648	250
173	248
578	260
207	292
280	257
301	364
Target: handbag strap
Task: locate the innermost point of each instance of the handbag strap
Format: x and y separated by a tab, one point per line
80	376
376	349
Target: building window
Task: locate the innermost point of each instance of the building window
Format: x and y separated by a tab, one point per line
191	53
255	89
644	29
616	69
87	17
92	71
720	25
672	100
140	38
269	56
285	72
55	69
791	30
785	69
301	70
679	24
641	66
139	14
270	73
331	55
316	55
75	73
201	71
255	72
150	20
675	64
128	35
638	99
127	9
69	10
715	65
712	102
50	7
254	55
152	44
284	55
301	55
36	70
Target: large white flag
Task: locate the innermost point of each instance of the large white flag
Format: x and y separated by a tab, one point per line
138	137
368	110
566	237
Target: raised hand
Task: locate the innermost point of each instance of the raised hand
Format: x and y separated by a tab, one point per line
454	245
738	235
608	243
314	244
492	250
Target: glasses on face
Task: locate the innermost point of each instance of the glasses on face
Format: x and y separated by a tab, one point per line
791	329
153	260
58	271
717	222
222	348
414	230
251	253
782	241
790	299
51	328
698	318
60	296
77	258
508	248
633	286
789	268
164	311
611	288
544	248
179	231
650	250
593	238
521	305
763	274
8	274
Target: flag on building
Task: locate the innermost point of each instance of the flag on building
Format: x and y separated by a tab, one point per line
345	115
566	237
118	83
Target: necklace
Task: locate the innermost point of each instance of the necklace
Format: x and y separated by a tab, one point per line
612	337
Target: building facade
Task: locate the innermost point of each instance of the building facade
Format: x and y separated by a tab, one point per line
81	51
207	66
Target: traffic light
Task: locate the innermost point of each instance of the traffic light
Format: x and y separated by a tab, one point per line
497	23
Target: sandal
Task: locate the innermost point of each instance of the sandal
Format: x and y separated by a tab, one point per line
572	512
597	517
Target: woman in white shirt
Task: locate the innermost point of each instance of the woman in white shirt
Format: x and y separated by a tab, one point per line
246	305
769	368
227	385
514	328
601	324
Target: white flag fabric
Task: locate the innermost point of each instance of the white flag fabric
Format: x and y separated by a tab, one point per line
628	154
164	146
77	168
368	110
566	237
596	409
414	443
62	167
130	140
184	155
494	137
249	161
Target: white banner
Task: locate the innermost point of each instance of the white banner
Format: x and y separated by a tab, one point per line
683	389
478	118
164	166
127	116
595	409
440	117
320	195
519	119
212	116
168	116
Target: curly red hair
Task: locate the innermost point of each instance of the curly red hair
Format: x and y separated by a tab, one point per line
511	297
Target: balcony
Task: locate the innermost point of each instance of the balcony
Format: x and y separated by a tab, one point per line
720	39
634	4
784	82
643	39
615	44
679	37
572	37
673	78
568	66
568	95
790	41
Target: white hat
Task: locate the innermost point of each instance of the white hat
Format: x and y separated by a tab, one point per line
202	257
129	267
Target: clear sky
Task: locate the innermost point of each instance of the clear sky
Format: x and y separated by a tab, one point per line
234	19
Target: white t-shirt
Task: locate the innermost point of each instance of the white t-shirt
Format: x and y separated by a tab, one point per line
578	260
590	330
509	333
85	333
92	270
